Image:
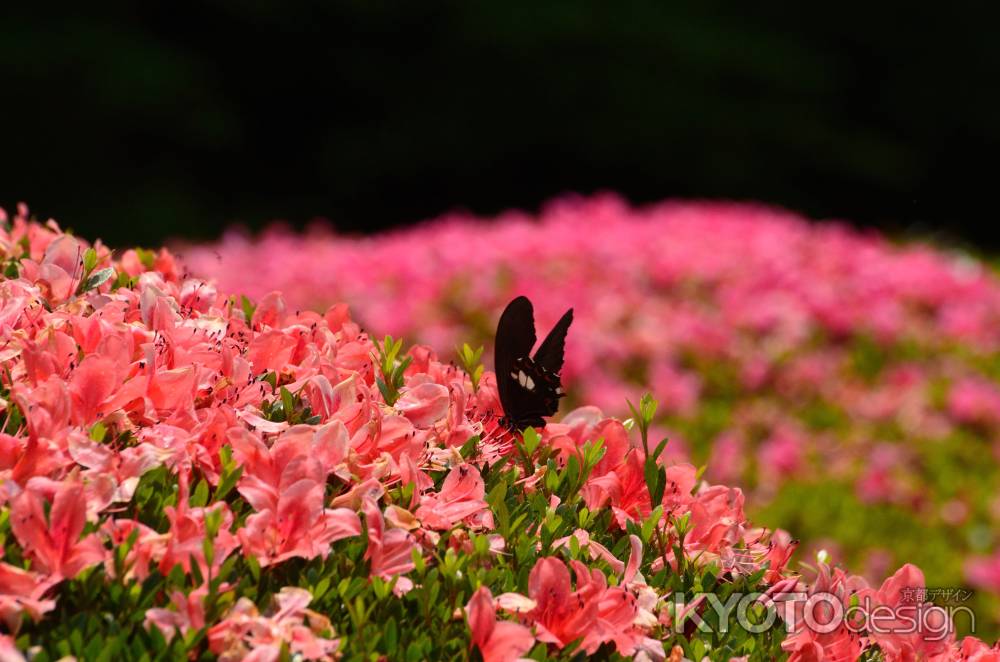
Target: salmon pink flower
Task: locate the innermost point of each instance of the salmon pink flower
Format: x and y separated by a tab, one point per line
92	383
461	497
185	541
298	525
246	634
497	641
22	592
54	543
780	548
188	613
390	551
147	551
974	650
424	404
897	605
829	596
593	613
592	547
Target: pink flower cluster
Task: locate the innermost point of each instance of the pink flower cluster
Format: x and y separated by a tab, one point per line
894	617
107	380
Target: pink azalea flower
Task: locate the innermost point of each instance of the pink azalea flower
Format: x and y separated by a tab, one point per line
298	525
974	650
593	612
899	602
147	552
461	497
779	552
54	543
188	613
21	592
246	634
390	551
424	404
974	400
497	641
592	547
806	643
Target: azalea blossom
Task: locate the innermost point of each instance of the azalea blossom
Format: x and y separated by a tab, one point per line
245	633
498	641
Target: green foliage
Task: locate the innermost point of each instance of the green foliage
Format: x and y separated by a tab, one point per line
91	279
643	417
248	308
146	256
287	407
391	368
470	360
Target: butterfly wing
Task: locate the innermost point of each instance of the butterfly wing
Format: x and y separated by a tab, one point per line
515	338
550	353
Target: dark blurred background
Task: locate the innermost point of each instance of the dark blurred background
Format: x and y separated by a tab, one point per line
138	122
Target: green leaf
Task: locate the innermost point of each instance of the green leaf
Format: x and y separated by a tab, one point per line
146	257
123	280
98	431
650	524
99	278
272	379
647	407
531	440
227	482
390	636
89	260
659	448
248	308
200	496
384	390
196	570
468	449
288	402
254	566
321	588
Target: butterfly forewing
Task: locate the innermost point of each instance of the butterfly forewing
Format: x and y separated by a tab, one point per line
515	338
550	353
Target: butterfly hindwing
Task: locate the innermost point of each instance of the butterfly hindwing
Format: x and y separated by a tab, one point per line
529	387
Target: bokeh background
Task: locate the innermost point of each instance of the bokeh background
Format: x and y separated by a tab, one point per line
143	121
847	380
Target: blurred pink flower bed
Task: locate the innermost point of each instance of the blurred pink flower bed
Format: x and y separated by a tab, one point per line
787	355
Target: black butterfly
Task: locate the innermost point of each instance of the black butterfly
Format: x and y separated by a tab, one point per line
529	386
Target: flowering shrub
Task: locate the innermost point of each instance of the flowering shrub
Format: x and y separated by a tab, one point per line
851	385
185	475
